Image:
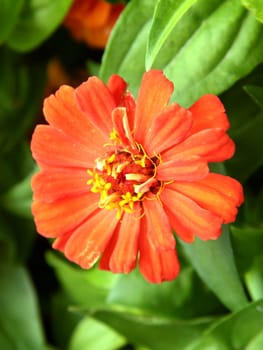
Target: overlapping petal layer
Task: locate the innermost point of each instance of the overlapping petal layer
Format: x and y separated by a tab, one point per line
116	175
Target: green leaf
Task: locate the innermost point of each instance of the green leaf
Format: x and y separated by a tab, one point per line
248	140
38	20
20	326
173	299
256	7
194	56
256	92
19	198
93	285
166	15
233	332
92	334
9	12
152	331
214	262
254	279
247	244
256	343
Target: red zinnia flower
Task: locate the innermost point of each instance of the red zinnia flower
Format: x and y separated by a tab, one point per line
92	21
118	175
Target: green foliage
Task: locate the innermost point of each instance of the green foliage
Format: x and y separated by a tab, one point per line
256	6
37	21
216	301
19	319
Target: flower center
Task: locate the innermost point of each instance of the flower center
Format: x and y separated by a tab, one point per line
123	178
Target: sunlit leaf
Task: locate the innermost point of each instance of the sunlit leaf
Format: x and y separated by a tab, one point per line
166	15
256	6
38	19
194	56
92	334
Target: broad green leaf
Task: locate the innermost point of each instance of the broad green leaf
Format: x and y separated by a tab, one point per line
92	334
248	140
214	262
20	326
194	56
233	332
93	285
256	6
166	15
151	331
254	278
185	297
9	12
256	92
19	198
38	20
247	244
256	343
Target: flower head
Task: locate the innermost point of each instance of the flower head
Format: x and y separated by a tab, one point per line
117	175
91	21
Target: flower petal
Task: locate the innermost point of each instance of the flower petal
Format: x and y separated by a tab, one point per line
49	186
217	193
214	145
89	240
159	231
193	218
60	242
153	96
121	124
117	86
53	148
168	129
191	169
156	265
61	216
208	113
121	253
96	101
62	112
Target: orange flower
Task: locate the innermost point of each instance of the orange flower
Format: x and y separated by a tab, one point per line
118	175
92	21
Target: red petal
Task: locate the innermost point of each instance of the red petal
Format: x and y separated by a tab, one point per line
212	197
159	231
168	129
156	265
96	101
49	186
191	169
153	96
61	241
208	113
62	112
117	87
193	219
129	103
121	124
214	145
52	147
121	253
88	242
59	217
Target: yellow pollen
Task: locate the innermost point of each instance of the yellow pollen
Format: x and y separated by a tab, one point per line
123	177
